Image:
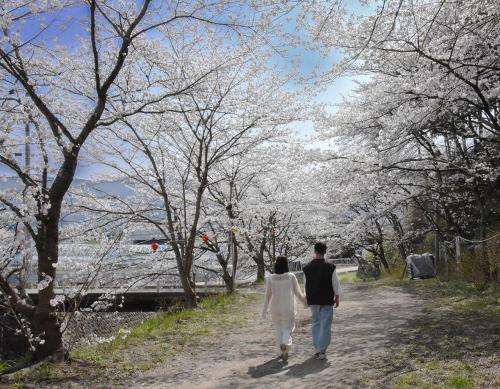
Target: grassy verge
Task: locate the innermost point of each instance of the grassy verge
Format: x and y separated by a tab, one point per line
349	277
4	365
146	345
455	342
14	365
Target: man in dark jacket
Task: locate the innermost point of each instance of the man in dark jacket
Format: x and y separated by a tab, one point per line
322	293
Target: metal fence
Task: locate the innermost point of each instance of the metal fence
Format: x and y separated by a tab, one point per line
87	328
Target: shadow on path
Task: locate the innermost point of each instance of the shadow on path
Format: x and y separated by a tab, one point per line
299	370
371	323
309	366
272	366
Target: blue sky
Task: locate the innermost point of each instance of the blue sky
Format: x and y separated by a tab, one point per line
68	26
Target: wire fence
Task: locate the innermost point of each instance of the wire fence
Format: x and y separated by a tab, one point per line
474	260
87	328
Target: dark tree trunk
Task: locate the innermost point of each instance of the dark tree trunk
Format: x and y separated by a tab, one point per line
398	230
234	260
258	257
45	321
48	326
189	289
485	264
381	251
382	257
228	279
261	269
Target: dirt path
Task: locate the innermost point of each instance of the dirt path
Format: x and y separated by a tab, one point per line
366	331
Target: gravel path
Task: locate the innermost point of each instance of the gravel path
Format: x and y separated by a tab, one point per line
367	331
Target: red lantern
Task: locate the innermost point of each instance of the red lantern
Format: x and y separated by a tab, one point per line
273	231
205	238
154	246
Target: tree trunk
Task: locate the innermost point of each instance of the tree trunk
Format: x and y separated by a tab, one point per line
381	246
45	321
234	252
189	289
228	281
398	230
383	258
437	240
485	264
48	326
261	270
258	257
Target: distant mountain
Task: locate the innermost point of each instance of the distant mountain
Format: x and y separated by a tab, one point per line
119	189
100	188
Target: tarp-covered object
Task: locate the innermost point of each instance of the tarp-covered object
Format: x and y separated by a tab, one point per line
421	265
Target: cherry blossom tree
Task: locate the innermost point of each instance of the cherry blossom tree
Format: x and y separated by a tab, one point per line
56	96
269	199
175	154
428	114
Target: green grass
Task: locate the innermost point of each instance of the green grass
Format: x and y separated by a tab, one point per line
16	364
148	344
454	341
443	375
461	381
40	372
349	277
462	295
485	301
167	333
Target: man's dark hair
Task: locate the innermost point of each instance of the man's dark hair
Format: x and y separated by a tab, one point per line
281	265
320	248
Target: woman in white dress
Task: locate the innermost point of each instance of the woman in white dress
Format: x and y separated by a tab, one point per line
281	289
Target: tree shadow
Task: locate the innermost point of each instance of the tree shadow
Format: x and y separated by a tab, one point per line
452	335
272	366
441	332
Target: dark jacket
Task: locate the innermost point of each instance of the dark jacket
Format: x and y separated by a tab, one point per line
319	288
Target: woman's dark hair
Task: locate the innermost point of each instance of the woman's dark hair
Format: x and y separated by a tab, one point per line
281	265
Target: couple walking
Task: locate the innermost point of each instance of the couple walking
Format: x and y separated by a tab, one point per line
322	294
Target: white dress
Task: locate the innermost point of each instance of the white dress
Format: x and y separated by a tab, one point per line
281	290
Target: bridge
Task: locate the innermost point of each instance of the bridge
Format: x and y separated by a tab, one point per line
153	297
